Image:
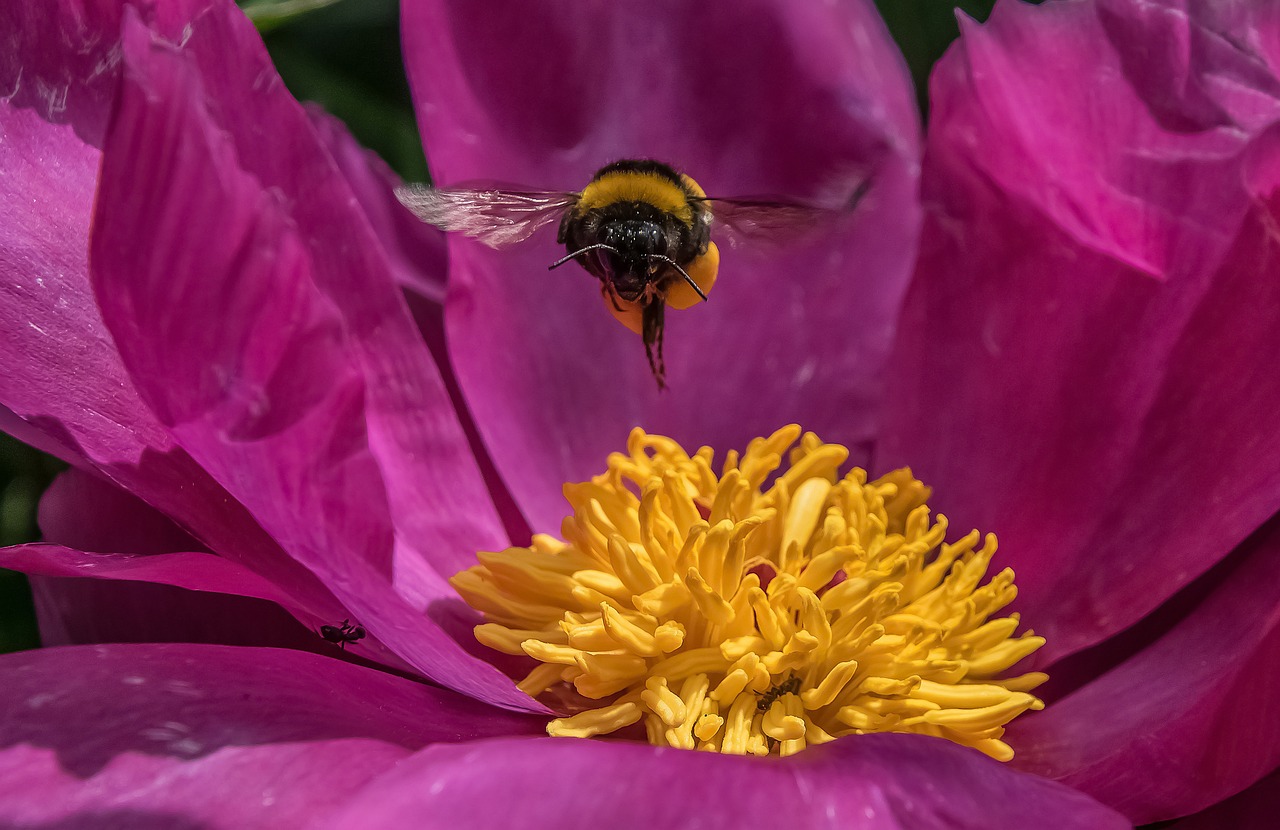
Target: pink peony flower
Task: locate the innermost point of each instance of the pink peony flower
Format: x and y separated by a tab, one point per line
211	302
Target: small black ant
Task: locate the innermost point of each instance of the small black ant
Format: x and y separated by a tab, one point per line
341	635
790	686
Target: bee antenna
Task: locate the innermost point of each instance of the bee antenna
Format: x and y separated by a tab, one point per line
683	273
553	266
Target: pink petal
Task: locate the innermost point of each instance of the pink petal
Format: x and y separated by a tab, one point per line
64	388
799	100
81	611
235	788
1186	722
208	736
415	251
278	348
1144	174
419	261
1111	429
876	782
194	571
82	511
90	598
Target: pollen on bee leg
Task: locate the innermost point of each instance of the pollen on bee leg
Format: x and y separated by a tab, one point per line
627	313
733	616
702	271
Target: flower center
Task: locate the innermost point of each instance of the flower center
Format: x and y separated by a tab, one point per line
735	617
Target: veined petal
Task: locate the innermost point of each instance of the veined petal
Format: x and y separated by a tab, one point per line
128	595
1111	428
207	735
64	388
771	98
87	598
276	346
81	510
418	257
1145	174
415	251
872	781
194	571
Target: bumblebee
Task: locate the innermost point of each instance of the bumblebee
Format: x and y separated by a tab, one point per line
640	227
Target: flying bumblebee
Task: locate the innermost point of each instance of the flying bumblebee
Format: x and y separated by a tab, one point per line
640	227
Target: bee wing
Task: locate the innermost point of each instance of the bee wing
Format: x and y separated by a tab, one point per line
766	220
495	216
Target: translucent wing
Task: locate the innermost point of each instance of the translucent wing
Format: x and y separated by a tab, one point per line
775	221
495	216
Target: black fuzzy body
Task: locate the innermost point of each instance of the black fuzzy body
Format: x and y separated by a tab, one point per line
637	230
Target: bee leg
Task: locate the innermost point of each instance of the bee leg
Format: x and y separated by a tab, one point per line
662	364
652	333
613	297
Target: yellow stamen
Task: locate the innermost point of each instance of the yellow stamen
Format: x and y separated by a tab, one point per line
734	618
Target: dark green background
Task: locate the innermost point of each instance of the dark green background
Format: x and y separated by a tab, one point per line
346	56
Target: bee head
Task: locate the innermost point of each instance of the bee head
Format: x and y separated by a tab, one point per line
631	258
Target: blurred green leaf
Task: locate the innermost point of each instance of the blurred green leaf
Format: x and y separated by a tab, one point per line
924	29
17	614
268	14
24	475
346	57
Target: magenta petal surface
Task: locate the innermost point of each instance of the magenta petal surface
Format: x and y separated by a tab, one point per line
81	510
63	380
1145	174
415	251
278	348
235	788
1187	721
100	532
73	611
1112	429
208	736
764	98
418	257
129	597
193	571
876	782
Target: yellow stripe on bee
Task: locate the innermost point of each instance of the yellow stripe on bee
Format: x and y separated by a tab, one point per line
694	187
629	186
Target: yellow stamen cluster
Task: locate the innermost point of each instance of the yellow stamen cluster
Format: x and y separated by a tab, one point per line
737	618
